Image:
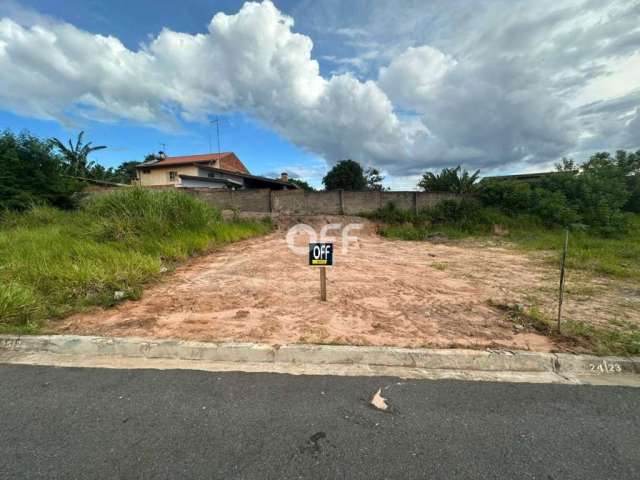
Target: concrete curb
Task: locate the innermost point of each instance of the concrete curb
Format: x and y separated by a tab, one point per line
430	359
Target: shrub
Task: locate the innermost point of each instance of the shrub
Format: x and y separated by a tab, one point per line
391	214
453	180
31	174
510	196
131	212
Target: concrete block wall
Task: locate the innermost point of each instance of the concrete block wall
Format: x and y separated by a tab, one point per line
356	203
288	202
252	200
321	203
299	202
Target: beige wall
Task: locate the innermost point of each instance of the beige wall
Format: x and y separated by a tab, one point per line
160	175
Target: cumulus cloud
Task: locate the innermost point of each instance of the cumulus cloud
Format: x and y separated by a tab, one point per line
251	61
411	78
522	86
515	92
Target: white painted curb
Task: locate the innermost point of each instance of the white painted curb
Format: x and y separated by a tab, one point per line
444	359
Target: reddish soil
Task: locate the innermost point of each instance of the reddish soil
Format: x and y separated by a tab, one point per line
382	292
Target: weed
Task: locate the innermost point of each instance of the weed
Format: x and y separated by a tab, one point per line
53	263
612	255
623	339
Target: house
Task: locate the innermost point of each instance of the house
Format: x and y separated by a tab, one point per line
527	177
209	170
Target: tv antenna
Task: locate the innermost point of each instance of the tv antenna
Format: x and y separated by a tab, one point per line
217	122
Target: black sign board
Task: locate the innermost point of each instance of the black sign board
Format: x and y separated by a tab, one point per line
321	254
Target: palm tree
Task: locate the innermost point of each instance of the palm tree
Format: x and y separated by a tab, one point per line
77	155
450	180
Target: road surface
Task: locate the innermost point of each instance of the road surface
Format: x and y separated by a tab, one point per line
100	423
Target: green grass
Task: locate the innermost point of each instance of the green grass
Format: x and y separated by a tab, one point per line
617	256
622	339
613	255
53	262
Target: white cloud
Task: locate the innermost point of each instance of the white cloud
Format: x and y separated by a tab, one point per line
509	86
411	77
251	61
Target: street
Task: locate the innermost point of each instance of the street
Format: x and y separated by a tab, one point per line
90	423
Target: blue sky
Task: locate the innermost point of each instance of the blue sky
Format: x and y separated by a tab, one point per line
405	86
263	151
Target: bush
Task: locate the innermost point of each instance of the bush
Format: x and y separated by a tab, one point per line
131	212
391	214
466	214
633	202
453	180
31	174
510	196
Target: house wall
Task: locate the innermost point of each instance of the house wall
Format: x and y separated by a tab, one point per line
191	183
228	176
160	175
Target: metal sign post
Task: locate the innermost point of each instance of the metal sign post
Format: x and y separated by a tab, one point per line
321	255
562	262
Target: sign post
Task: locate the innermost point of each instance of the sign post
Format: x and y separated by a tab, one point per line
321	255
562	262
323	284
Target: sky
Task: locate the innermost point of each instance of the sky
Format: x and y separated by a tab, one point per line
504	86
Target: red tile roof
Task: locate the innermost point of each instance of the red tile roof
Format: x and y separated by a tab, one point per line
228	161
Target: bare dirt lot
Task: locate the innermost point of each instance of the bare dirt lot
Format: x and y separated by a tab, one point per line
381	292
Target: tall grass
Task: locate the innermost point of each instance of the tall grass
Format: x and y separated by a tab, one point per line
53	262
617	255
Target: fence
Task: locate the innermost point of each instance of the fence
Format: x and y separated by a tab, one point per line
300	202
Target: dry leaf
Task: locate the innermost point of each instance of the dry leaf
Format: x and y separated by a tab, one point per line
379	401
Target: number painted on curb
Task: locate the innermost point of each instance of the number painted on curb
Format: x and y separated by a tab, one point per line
604	367
9	343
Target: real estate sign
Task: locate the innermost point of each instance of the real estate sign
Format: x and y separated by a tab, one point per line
321	254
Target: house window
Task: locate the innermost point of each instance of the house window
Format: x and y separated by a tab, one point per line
173	176
146	170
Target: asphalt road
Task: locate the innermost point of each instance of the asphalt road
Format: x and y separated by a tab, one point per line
99	423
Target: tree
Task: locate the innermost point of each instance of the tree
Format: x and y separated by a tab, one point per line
453	180
374	180
567	165
30	173
346	175
302	184
126	172
77	155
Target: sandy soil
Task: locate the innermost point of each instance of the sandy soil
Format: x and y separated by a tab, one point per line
382	292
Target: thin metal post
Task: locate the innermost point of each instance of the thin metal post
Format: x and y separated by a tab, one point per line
562	263
323	284
218	132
